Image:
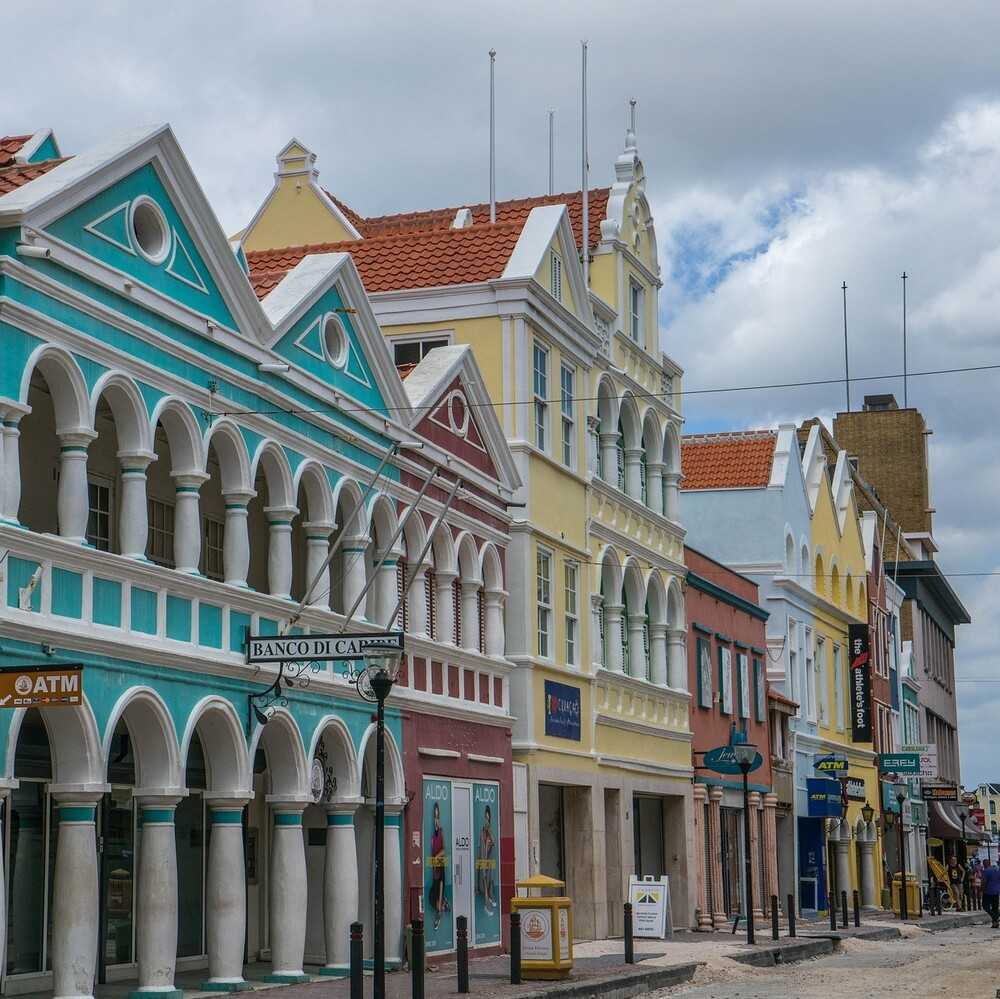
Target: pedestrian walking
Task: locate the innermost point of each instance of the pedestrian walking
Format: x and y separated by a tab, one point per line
976	881
956	878
991	891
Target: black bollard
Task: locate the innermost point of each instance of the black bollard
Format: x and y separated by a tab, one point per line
629	942
832	905
774	917
843	909
857	908
462	934
515	948
357	961
417	958
791	915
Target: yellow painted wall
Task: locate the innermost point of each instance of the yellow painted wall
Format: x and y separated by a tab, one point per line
544	274
294	216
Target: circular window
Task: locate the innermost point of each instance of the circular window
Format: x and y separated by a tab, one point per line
335	341
150	233
458	414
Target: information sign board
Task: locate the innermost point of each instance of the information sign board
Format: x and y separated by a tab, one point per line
33	687
650	898
321	648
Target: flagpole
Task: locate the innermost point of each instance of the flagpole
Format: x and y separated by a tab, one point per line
585	234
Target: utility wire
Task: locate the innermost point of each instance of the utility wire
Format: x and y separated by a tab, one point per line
763	387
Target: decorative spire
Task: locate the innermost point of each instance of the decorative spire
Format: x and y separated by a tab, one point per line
630	145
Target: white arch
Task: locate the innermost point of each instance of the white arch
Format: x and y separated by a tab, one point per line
628	417
491	568
271	460
227	762
187	447
68	387
671	449
805	562
652	439
234	461
634	588
414	534
656	599
607	405
153	737
395	784
789	551
382	522
132	424
73	741
332	731
468	559
311	478
611	575
443	547
285	754
675	605
347	499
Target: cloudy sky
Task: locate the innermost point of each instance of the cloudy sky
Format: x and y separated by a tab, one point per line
788	147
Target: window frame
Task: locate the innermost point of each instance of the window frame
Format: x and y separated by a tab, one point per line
540	389
759	692
555	275
703	667
153	531
543	608
636	310
220	574
571	610
567	402
726	706
743	682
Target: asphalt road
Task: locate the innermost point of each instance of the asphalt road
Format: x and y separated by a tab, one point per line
961	964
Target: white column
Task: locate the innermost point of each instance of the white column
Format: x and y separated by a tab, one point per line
658	654
593	444
613	651
752	816
633	472
340	887
444	605
771	849
867	844
317	548
133	519
287	891
636	651
156	916
493	609
699	794
226	897
187	521
654	486
416	601
279	550
671	487
383	592
72	500
470	614
10	489
609	457
393	887
677	675
719	917
236	539
596	649
842	845
353	562
75	898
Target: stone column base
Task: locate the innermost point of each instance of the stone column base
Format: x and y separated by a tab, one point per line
335	971
212	986
156	994
286	978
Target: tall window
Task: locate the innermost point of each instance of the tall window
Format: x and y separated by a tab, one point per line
570	573
543	599
793	658
555	275
810	678
100	494
211	549
759	693
541	386
703	650
161	532
743	681
567	377
725	680
821	682
635	311
839	689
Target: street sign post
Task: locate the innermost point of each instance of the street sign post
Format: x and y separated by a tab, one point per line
41	687
321	648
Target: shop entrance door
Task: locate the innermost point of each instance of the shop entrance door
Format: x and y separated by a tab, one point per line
551	831
464	875
732	885
116	846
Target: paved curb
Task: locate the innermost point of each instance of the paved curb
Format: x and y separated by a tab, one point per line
798	949
621	985
952	921
858	933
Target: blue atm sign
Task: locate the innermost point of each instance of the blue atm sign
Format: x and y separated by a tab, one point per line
825	798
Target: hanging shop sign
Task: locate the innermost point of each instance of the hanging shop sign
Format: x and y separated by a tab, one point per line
831	763
650	898
824	797
30	687
562	710
321	648
927	751
939	792
438	884
722	760
861	684
855	789
899	763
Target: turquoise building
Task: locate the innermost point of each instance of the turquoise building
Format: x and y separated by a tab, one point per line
180	454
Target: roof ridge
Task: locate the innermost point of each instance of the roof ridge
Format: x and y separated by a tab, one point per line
728	436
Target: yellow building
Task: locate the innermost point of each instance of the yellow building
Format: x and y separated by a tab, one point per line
595	617
840	599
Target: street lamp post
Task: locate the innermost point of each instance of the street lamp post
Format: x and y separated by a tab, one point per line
900	798
745	754
375	684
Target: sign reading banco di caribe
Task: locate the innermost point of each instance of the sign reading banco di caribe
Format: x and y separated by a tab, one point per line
34	687
321	648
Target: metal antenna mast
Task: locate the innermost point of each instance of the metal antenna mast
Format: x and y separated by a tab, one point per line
904	341
847	370
493	142
552	151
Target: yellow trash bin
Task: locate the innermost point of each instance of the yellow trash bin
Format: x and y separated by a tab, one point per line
912	895
546	928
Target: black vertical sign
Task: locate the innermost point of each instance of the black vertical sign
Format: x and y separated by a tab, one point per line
861	684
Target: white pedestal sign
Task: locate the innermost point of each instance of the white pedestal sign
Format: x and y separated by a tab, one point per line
651	916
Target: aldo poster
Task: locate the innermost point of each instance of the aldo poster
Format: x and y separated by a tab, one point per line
438	884
486	859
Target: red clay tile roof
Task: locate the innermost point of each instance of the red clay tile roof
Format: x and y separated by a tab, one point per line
13	177
10	145
727	461
406	260
515	210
